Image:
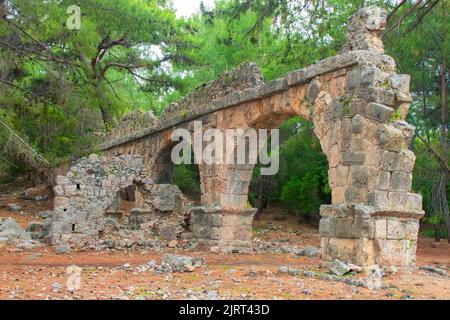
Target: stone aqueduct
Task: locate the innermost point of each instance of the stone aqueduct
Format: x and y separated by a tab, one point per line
357	103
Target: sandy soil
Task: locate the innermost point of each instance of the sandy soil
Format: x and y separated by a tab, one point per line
35	274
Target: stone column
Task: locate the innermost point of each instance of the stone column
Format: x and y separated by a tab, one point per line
222	230
374	218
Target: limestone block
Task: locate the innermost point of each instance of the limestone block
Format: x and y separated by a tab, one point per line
353	158
234	200
396	252
381	228
341	249
384	180
354	195
338	195
357	124
401	181
401	82
391	161
365	252
313	90
381	95
407	130
403	97
396	229
408	161
378	198
390	138
405	201
347	228
360	144
379	112
361	176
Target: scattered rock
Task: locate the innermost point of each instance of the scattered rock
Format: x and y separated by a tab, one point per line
307	292
14	207
252	272
173	244
296	272
182	263
56	287
45	214
39	193
339	268
10	229
63	249
355	268
26	245
309	252
435	270
212	295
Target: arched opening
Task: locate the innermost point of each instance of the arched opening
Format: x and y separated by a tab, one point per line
185	176
288	203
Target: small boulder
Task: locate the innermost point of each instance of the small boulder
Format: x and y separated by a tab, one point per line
10	229
173	244
182	263
63	249
309	252
56	287
39	193
339	268
36	230
14	207
435	270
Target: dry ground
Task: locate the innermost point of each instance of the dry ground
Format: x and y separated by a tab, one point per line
31	274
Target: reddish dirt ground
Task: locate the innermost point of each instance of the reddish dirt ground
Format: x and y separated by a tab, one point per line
31	274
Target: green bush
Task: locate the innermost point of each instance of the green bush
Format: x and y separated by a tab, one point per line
186	177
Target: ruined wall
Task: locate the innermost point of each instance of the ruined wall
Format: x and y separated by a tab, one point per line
132	122
91	209
245	76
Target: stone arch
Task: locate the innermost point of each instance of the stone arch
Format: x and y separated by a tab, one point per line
358	104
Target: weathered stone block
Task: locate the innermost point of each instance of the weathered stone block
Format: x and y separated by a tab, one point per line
401	181
378	198
379	112
357	124
396	252
390	138
347	228
401	82
361	176
353	158
354	195
391	161
408	161
384	180
381	95
407	130
380	228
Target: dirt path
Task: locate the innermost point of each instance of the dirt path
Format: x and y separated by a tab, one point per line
41	273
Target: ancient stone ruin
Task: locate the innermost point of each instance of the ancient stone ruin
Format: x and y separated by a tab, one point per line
109	203
358	105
